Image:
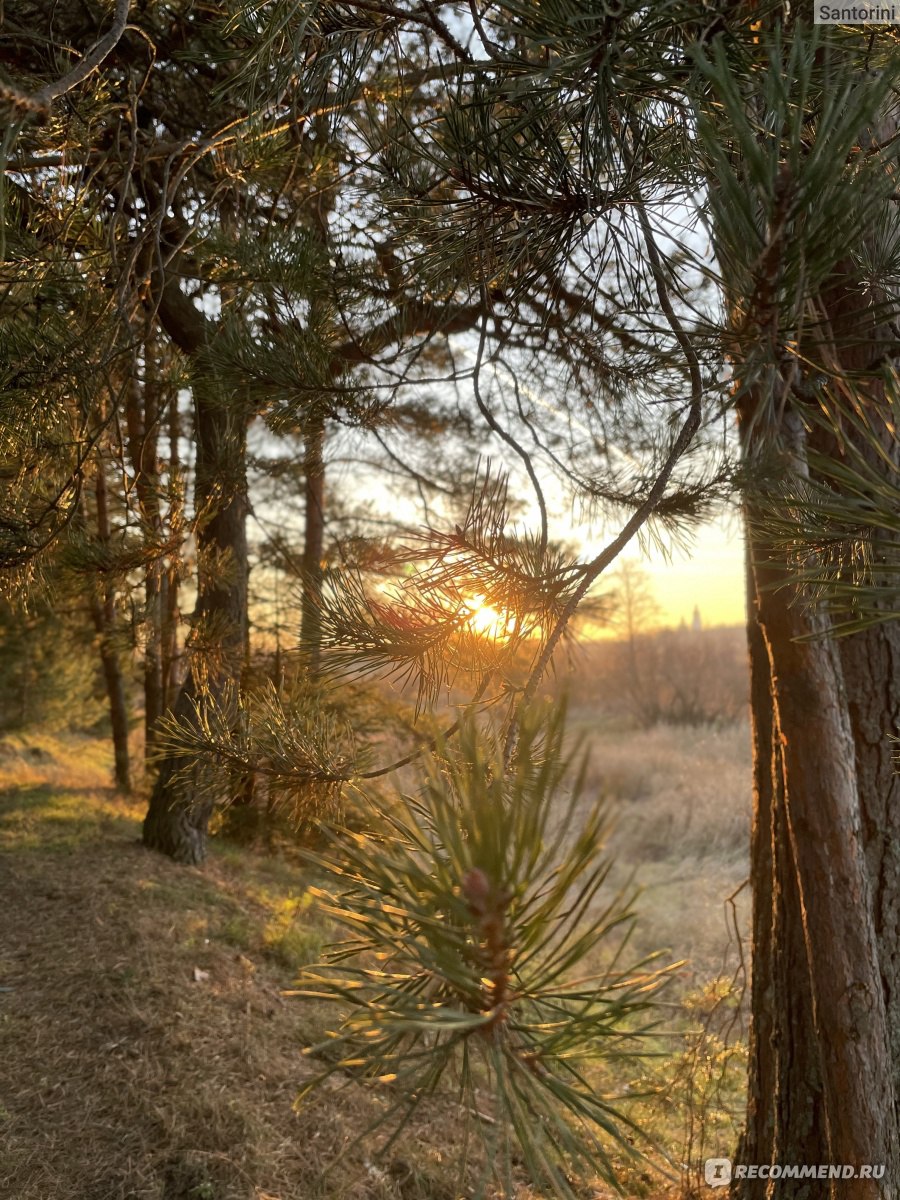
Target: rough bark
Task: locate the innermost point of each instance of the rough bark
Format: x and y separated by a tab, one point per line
824	836
171	675
871	665
103	616
784	1104
871	659
822	1081
178	814
153	678
141	423
180	807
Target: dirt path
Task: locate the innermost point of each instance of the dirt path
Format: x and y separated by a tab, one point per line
121	1076
146	1050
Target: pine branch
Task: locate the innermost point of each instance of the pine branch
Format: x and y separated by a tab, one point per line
39	103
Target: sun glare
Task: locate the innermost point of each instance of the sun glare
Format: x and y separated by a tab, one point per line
486	620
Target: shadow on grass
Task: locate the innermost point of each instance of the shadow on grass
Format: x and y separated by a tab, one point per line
45	816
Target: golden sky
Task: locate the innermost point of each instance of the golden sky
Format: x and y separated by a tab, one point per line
710	575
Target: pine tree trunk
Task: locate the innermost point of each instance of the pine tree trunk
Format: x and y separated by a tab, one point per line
141	421
103	615
871	659
153	656
169	578
179	809
871	665
832	1022
784	1107
826	880
180	806
821	1075
178	814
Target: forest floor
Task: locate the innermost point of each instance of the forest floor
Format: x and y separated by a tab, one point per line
147	1048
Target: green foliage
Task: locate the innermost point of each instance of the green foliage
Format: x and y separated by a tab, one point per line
54	818
48	667
296	743
790	192
292	946
485	955
708	1084
50	374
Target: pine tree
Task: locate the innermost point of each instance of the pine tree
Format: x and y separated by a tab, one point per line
811	333
618	204
570	139
203	238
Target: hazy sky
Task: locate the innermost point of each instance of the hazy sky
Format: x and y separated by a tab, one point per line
709	572
712	577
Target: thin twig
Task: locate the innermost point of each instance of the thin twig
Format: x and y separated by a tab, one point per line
504	434
41	100
611	551
432	743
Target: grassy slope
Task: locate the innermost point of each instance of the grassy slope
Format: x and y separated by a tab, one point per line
146	1051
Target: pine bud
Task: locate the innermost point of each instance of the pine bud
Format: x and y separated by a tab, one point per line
476	887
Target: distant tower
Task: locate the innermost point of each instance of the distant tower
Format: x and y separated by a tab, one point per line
696	622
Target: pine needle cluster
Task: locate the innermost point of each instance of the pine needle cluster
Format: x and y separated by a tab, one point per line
486	958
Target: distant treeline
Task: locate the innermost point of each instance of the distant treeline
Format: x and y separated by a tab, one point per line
667	676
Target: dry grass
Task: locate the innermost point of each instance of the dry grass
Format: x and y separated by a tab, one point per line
146	1050
680	805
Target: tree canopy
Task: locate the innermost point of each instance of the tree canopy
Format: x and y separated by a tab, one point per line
646	261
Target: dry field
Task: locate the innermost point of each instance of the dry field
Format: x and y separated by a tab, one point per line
147	1051
679	803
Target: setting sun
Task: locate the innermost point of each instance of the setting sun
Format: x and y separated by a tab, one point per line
485	619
